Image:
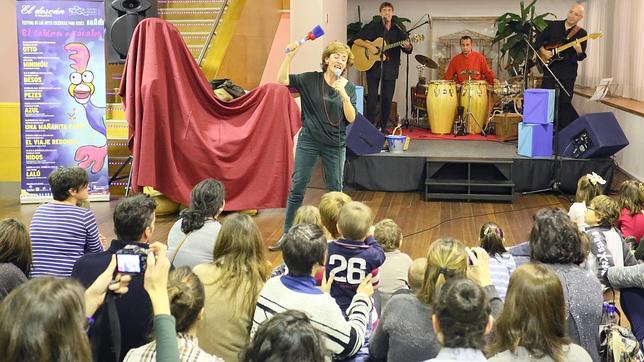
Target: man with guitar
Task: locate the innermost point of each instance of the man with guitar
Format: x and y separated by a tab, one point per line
563	65
391	33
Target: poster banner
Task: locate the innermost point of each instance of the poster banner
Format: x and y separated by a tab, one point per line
62	93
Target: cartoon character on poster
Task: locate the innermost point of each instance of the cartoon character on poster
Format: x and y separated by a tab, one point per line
82	88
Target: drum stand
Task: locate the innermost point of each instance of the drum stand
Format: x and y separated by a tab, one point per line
469	113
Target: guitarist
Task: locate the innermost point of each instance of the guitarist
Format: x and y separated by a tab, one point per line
391	33
563	32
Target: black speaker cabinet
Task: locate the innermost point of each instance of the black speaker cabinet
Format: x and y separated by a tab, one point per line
121	17
593	135
363	138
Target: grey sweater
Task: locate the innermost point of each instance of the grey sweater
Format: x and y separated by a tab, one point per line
571	353
405	331
625	276
10	277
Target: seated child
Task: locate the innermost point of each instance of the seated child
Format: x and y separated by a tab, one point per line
501	262
588	187
631	204
394	271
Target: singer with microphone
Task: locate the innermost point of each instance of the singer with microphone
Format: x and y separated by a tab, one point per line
328	104
391	32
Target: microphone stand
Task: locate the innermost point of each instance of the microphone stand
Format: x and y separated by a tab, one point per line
555	182
406	120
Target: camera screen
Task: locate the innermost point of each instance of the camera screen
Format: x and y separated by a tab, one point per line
128	263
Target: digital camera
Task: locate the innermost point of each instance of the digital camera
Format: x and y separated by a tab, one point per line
131	259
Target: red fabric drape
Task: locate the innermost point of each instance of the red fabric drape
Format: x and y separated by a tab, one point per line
180	133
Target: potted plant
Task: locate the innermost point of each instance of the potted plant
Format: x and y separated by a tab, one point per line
514	29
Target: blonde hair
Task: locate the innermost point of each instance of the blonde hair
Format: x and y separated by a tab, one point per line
309	214
416	273
355	220
587	190
631	197
239	253
187	297
446	258
330	206
336	47
388	234
605	209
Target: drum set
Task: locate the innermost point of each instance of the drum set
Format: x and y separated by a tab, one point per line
466	108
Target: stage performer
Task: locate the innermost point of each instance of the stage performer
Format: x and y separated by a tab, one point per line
561	32
328	105
469	60
391	32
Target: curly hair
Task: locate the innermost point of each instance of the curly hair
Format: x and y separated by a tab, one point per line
630	196
554	238
388	234
333	48
206	201
606	210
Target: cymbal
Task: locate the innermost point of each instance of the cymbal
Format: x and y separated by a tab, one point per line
426	61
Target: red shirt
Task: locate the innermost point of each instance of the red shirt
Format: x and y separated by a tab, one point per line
473	61
631	225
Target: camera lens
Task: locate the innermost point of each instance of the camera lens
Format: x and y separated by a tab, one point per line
131	4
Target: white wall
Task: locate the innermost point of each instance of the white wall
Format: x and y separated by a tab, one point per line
414	9
628	158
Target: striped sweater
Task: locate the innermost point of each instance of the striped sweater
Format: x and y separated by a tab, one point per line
60	234
344	337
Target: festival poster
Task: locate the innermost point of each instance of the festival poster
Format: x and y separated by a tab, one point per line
62	93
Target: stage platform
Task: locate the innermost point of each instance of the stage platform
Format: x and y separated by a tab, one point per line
466	170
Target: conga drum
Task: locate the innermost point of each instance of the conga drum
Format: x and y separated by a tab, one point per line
474	94
442	101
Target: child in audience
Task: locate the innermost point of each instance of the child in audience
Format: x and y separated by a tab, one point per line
532	325
417	274
394	271
186	295
461	320
192	238
232	283
15	255
287	336
606	244
354	256
631	204
60	231
588	187
330	205
306	214
501	262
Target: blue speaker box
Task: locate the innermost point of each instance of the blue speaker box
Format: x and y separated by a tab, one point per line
593	135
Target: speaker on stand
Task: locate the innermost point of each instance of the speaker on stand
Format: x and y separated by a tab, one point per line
122	16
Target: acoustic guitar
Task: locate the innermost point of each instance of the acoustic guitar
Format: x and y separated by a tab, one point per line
556	49
364	59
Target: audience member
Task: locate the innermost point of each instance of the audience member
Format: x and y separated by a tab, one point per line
232	282
521	253
394	271
287	336
15	255
532	325
416	274
186	295
330	205
60	231
304	249
555	240
134	220
461	319
501	262
306	214
192	238
405	332
588	186
631	204
630	281
605	242
354	256
45	319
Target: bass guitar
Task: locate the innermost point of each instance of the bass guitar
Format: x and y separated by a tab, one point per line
556	49
364	59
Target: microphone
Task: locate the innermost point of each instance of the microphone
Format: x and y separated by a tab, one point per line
430	21
338	73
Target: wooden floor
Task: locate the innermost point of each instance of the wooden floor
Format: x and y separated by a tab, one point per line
421	222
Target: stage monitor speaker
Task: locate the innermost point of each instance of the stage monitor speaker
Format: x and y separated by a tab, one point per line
593	135
122	16
363	138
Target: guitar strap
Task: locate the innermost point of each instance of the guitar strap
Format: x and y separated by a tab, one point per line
574	31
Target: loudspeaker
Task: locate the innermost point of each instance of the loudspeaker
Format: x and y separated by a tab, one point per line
593	135
363	138
121	17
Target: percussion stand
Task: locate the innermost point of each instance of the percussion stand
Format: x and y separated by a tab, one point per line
469	113
555	182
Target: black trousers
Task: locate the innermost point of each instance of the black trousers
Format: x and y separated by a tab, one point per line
567	112
387	96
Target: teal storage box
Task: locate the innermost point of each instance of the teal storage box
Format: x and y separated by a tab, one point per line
538	106
360	99
535	140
